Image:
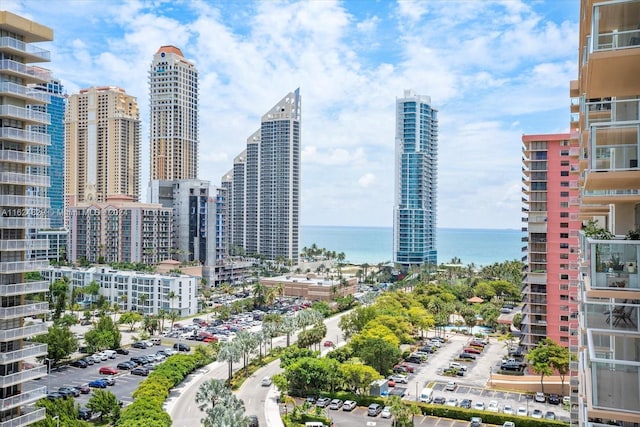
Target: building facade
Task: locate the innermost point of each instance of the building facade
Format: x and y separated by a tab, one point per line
173	125
263	188
133	291
550	221
119	230
311	287
102	145
416	181
193	203
606	135
23	186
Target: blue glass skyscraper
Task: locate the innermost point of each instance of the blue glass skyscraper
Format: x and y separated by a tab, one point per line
416	182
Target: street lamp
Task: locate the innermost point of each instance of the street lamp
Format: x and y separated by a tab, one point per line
49	374
57	418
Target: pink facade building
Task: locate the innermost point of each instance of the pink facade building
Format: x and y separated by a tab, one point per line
550	221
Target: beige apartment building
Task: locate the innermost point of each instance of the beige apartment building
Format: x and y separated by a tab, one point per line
311	286
605	136
23	203
102	145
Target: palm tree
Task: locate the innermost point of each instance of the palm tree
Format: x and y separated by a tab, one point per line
246	343
173	316
229	352
211	393
162	314
171	295
142	299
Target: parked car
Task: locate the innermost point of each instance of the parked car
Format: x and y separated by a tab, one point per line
139	344
253	421
452	401
122	351
96	358
493	406
335	404
68	392
439	400
181	347
473	350
108	370
507	409
99	383
328	343
466	356
109	380
537	413
142	371
323	402
522	412
399	379
479	406
476	343
126	365
451	386
406	367
79	364
475	422
465	403
55	395
349	405
83	389
266	382
85	414
374	410
553	399
509	424
539	397
386	412
88	360
549	415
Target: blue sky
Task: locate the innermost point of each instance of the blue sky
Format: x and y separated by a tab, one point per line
493	69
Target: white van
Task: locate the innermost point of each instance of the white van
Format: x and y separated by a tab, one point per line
111	354
156	341
426	395
314	424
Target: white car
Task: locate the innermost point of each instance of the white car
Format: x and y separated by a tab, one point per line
398	378
509	424
522	412
266	381
386	412
537	413
451	386
478	406
540	397
507	409
452	401
493	406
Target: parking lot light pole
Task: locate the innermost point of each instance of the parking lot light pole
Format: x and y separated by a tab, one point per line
57	418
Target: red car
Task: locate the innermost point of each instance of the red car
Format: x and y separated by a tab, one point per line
405	367
473	350
328	343
107	370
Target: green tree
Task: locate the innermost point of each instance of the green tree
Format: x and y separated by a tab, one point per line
105	403
246	344
92	289
358	377
130	318
229	352
402	411
560	361
64	409
311	375
103	335
222	408
376	352
60	342
540	358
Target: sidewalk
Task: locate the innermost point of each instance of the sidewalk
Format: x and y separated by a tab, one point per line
272	408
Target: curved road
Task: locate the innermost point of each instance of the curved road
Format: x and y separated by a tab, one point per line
181	404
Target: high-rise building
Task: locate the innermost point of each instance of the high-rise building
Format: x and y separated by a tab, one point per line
416	183
263	188
102	145
55	128
550	216
606	135
173	125
24	205
119	230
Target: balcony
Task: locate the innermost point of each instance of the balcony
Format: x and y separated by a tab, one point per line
24	288
20	135
27	419
24	179
15	90
22	222
613	51
24	398
23	332
11	267
23	376
612	111
611	314
614	370
31	117
23	353
28	51
25	310
23	71
24	157
613	264
24	201
24	244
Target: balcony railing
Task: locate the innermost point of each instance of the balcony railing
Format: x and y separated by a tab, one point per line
24	398
26	419
612	111
613	264
25	179
21	135
24	288
20	223
24	244
25	310
24	201
33	74
23	353
23	376
10	267
23	332
25	92
27	48
614	315
24	157
26	114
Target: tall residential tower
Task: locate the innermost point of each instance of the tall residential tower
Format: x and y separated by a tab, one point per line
102	145
173	126
606	136
416	183
23	202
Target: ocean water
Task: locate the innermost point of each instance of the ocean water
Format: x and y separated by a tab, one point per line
374	245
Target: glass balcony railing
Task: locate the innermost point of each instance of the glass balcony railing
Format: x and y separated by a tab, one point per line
613	264
615	26
27	48
25	92
26	114
614	148
27	72
611	314
612	111
26	419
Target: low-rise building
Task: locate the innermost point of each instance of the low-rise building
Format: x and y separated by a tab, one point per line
311	286
147	293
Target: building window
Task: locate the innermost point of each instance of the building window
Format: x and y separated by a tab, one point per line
564	152
564	256
564	277
564	183
564	173
564	297
564	225
564	163
564	214
564	194
564	328
564	246
564	235
564	318
564	204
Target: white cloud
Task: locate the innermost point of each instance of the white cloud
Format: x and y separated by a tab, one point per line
367	180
